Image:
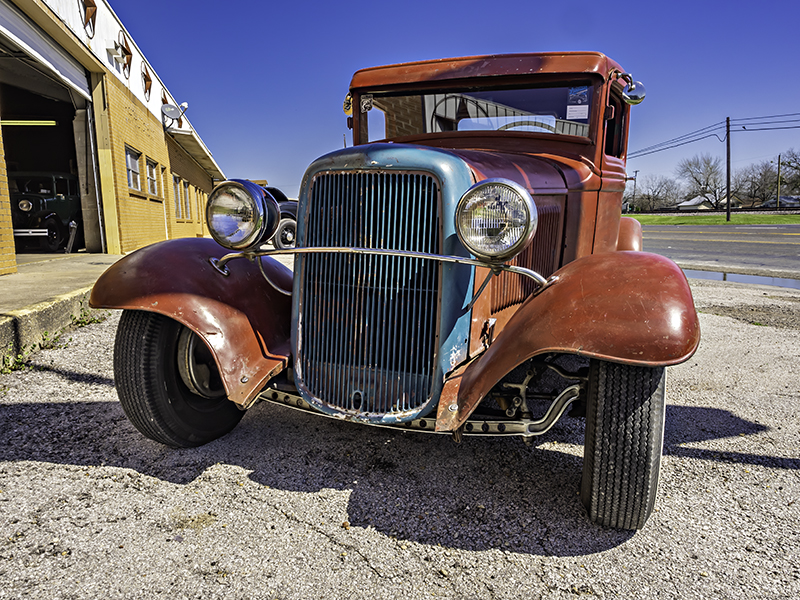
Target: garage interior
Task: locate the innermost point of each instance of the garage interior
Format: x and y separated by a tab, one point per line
47	128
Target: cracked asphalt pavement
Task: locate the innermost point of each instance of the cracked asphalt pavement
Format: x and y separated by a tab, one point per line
290	505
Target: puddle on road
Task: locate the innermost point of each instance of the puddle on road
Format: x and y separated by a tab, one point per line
737	278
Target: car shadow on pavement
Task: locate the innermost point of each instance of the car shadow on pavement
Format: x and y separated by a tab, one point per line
77	377
484	493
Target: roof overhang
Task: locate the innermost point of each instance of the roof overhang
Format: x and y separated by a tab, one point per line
497	65
194	147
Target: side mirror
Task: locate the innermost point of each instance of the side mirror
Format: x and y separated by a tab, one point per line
633	92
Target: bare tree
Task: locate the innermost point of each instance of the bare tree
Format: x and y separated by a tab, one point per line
705	177
656	192
790	172
756	183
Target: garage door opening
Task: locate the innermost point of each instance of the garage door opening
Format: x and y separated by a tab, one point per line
41	163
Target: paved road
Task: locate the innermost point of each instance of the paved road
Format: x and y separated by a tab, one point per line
733	249
293	506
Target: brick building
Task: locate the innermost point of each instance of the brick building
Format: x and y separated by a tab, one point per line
78	97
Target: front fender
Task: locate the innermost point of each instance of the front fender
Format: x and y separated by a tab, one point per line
242	319
627	307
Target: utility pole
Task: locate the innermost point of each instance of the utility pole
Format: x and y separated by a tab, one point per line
728	142
778	203
635	175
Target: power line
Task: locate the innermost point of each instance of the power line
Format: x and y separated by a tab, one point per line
747	124
770	128
767	117
640	153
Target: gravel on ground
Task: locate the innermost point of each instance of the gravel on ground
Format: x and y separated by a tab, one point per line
294	506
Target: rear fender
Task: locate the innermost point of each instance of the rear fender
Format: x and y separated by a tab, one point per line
242	319
630	234
634	308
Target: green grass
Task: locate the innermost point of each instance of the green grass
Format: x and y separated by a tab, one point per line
717	219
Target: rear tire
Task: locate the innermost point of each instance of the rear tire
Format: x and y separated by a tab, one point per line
624	439
168	382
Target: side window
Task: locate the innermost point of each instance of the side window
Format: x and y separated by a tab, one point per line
132	166
615	126
62	188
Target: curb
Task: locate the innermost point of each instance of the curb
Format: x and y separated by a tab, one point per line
24	328
759	271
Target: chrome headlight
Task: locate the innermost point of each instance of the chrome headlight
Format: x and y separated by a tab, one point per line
241	214
496	219
25	205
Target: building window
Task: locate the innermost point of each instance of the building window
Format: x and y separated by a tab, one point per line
176	186
152	177
188	211
132	166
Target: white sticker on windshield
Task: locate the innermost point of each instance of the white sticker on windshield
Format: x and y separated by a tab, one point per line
580	111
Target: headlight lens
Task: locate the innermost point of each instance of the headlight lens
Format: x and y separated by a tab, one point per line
241	214
496	219
25	205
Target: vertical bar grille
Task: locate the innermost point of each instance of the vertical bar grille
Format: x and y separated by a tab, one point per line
510	289
367	334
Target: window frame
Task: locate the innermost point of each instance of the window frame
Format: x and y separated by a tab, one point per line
176	188
151	173
187	200
133	157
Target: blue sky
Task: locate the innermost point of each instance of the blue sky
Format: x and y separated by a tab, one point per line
265	81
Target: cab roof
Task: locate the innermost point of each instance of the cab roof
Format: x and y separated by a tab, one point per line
493	65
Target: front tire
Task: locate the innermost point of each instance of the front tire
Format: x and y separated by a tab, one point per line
168	382
624	438
55	239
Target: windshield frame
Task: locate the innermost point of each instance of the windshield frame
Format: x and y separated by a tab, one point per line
592	81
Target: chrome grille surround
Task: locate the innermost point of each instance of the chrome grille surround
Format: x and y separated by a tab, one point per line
367	326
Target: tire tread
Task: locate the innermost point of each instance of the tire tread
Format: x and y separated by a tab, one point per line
624	438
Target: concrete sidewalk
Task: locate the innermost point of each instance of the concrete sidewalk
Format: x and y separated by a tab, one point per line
44	294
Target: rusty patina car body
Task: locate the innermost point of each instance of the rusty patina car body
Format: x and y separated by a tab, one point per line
463	268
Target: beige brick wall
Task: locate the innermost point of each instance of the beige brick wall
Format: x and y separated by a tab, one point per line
132	218
145	218
8	261
403	116
200	185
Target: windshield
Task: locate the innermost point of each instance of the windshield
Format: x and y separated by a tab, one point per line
561	110
31	185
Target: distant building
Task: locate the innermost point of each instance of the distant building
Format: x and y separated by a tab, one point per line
78	96
700	203
786	202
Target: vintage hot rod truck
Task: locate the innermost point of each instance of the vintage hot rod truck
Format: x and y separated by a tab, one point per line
463	268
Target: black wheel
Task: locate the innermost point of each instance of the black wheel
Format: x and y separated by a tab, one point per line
168	382
624	438
285	236
55	236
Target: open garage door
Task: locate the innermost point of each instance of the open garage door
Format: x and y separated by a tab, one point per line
45	110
